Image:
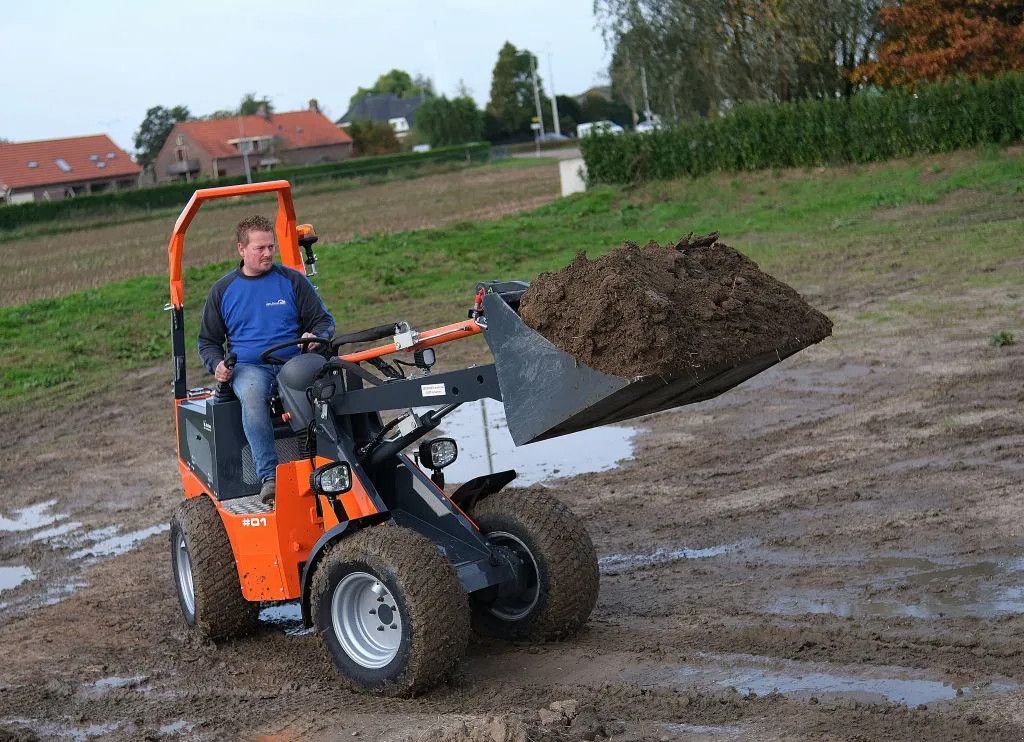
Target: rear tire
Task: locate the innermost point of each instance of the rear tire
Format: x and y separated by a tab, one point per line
205	575
560	562
390	610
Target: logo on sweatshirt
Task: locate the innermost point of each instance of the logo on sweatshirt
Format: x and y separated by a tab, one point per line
278	303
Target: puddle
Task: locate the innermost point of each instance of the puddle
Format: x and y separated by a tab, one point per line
51	534
617	563
795	678
968	591
822	380
30	518
910	692
485	446
112	545
705	730
55	730
115	681
287	617
175	727
11	577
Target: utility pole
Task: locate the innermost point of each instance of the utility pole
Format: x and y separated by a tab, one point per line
244	146
536	95
647	100
554	102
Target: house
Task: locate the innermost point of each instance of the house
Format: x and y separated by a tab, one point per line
54	169
218	148
385	108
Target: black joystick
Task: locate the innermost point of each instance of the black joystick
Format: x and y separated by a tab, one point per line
224	392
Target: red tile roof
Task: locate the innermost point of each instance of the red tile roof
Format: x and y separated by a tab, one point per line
88	158
297	129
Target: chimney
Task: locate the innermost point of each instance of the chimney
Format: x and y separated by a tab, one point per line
314	105
263	111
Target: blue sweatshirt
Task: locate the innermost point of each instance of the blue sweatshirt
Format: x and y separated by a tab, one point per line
252	313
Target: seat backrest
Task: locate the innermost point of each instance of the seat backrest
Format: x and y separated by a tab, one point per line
294	379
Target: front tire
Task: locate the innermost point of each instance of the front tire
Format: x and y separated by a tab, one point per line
205	575
559	564
390	610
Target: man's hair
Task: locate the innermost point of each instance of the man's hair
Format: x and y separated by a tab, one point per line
255	223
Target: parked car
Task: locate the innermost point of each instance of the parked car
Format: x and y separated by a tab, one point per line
648	125
598	127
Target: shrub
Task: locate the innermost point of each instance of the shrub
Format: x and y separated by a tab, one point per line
867	127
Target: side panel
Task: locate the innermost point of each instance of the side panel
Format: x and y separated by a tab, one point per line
270	547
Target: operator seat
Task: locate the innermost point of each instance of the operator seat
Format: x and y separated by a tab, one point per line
293	380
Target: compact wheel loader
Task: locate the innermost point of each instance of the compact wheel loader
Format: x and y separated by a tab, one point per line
390	570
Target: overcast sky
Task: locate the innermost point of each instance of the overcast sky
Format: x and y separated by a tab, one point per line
74	68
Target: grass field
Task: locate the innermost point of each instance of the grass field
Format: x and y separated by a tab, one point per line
49	263
949	223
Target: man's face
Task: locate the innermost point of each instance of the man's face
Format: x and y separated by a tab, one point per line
258	253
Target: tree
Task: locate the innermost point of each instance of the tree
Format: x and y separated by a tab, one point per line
569	113
512	104
251	105
154	129
931	40
445	122
596	107
703	56
372	138
398	82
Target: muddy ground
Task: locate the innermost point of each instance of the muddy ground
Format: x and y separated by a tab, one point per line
830	551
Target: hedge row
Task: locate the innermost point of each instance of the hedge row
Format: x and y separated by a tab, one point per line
867	127
177	194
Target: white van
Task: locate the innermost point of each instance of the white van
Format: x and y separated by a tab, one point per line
598	127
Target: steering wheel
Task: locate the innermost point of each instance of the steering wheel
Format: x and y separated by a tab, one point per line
268	356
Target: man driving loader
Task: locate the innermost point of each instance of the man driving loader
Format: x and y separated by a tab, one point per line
252	308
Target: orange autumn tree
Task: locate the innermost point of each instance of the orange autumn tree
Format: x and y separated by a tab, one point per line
930	40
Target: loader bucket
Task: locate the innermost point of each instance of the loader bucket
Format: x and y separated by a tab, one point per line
547	393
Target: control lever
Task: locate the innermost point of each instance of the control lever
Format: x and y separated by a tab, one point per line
224	392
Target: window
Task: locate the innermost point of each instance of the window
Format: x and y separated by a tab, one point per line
63	165
94	158
111	155
101	164
179	140
181	153
33	164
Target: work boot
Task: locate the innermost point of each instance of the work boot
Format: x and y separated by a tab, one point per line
267	491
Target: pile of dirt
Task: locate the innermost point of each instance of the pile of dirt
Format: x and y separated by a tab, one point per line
656	309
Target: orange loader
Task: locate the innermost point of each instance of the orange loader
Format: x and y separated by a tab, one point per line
390	570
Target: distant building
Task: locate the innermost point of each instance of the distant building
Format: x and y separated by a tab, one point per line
215	148
385	108
54	169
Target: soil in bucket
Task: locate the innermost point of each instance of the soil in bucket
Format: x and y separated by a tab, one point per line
657	309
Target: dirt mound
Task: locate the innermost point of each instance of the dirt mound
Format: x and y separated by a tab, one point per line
661	308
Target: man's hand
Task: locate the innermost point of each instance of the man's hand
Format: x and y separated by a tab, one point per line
310	346
222	372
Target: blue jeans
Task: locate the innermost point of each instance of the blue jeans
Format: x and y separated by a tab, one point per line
253	384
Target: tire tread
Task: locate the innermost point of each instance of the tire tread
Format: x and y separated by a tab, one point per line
433	595
571	560
221	610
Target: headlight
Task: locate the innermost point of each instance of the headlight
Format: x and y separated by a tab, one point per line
438	453
331	479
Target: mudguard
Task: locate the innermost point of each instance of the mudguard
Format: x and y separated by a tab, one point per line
340	531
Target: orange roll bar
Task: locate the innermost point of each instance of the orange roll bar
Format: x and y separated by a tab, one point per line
284	227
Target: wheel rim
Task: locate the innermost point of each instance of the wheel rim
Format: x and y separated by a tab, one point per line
366	620
516	608
183	565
